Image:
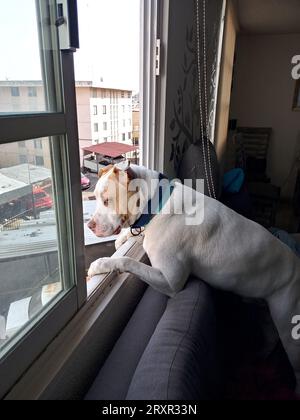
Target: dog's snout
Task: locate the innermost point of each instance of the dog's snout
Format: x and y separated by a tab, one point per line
92	224
97	228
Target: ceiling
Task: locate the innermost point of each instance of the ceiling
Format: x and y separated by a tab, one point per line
269	16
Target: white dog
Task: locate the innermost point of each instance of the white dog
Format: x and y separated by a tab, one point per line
226	250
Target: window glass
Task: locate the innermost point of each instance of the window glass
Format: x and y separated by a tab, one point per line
30	267
22	75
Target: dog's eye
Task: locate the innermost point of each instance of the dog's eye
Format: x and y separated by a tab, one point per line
106	202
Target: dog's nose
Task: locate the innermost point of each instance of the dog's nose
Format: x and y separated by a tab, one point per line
91	224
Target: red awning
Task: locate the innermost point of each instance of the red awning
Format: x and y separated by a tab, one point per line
111	149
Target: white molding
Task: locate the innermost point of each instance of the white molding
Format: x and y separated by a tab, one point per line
161	91
219	59
148	36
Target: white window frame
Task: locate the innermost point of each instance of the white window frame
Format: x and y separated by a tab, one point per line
154	26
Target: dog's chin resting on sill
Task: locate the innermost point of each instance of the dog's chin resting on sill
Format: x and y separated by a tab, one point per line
226	250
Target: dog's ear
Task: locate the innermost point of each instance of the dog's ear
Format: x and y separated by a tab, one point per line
122	166
125	167
103	171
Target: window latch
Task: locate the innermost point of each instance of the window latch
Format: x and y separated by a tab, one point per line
60	15
67	24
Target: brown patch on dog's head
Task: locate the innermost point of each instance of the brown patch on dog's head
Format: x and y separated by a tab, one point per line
103	171
126	170
121	177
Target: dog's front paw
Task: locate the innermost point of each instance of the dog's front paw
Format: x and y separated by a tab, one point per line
102	266
123	237
120	241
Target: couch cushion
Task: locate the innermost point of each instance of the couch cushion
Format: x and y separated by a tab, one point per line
114	378
180	361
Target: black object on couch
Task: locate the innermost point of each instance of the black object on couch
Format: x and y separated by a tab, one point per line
167	351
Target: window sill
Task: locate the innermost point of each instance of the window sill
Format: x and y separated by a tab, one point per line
110	303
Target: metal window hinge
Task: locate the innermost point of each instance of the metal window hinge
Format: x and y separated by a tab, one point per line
157	59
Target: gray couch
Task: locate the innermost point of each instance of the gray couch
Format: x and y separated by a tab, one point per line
168	350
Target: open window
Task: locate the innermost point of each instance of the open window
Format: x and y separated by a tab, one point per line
41	263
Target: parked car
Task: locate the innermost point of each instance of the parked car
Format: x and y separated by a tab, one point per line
91	164
85	182
42	200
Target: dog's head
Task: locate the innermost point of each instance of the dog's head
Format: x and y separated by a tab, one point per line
113	195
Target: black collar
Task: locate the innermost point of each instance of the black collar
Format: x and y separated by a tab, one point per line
157	202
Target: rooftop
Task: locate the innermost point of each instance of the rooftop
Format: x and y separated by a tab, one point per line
11	189
79	83
111	149
27	174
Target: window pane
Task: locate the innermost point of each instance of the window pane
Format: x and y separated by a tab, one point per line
25	85
30	264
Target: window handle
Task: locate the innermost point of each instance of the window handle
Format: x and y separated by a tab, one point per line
67	24
60	15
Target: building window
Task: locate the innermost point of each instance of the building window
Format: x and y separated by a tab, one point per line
23	159
103	94
95	110
39	161
129	136
123	108
105	139
122	94
129	108
124	123
105	126
104	109
21	144
15	91
123	137
38	144
94	93
96	128
129	95
32	92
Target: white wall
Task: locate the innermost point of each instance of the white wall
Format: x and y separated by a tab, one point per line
262	96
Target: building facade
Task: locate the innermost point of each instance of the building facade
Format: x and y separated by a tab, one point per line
104	115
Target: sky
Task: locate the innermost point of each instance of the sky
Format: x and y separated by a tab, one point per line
109	37
109	33
19	48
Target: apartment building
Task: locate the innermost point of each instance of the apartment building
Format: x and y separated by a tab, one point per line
34	152
104	115
135	127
